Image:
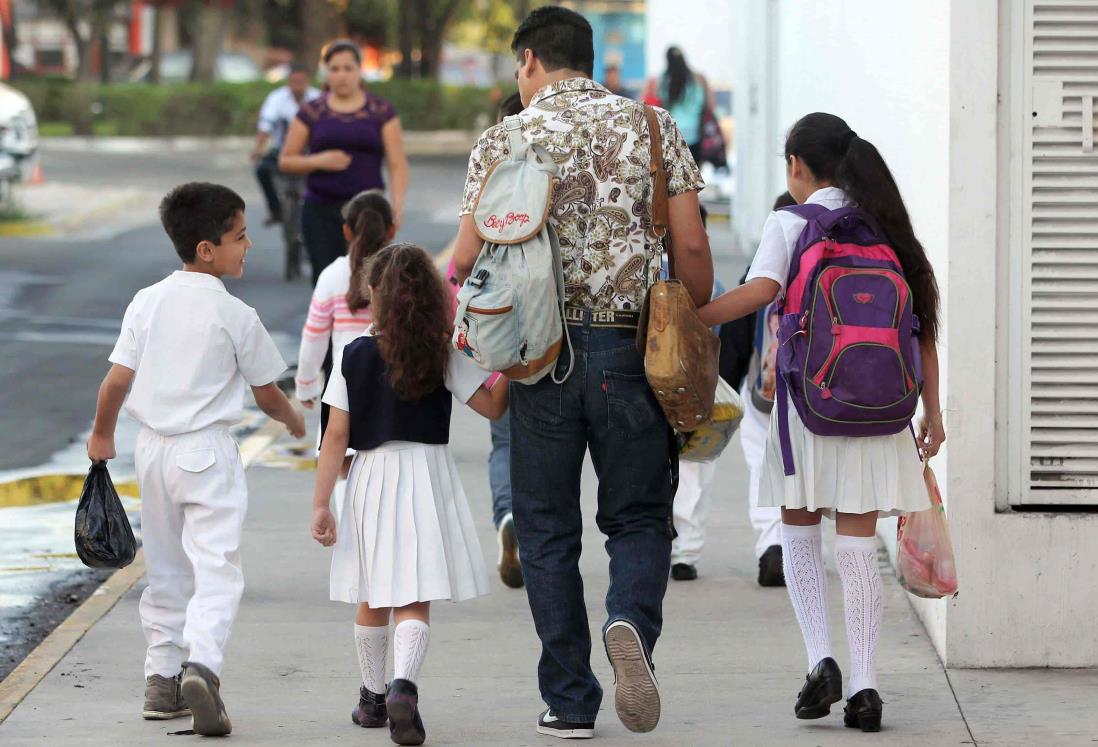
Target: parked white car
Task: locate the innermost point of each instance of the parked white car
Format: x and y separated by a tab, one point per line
18	137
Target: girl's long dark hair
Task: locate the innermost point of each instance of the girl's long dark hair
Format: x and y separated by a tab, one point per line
411	318
370	218
835	153
678	76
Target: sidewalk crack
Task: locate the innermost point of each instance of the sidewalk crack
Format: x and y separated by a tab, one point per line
960	710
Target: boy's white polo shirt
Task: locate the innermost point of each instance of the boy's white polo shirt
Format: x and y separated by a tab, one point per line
193	347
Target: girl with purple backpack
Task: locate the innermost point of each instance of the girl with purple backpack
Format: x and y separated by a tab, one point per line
857	350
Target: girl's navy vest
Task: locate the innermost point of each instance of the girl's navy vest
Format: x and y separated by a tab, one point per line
378	415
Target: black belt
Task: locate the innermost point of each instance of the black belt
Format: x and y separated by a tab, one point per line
613	318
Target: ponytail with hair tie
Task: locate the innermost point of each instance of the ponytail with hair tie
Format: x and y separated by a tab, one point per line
848	138
370	219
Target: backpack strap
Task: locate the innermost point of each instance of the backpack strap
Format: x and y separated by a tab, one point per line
513	125
782	394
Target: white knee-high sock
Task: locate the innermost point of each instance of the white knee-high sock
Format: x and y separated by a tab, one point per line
372	645
410	641
806	580
856	558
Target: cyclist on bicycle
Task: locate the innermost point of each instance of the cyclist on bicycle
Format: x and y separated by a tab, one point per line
278	110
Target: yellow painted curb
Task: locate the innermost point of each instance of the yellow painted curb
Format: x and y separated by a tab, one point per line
45	656
24	229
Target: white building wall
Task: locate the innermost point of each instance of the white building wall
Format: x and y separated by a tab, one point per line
701	28
921	81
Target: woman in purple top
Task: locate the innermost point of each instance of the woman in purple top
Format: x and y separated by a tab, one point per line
338	142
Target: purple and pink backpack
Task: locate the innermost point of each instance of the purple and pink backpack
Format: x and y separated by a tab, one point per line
848	350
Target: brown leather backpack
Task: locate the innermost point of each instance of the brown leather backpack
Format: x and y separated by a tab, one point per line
680	352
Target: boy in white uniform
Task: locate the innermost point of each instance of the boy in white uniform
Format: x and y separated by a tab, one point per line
187	347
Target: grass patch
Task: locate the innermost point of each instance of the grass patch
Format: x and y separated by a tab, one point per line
65	129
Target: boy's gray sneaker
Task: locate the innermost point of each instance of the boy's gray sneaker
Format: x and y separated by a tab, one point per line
164	698
202	692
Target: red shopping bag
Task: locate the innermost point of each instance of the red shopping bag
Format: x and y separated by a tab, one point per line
924	563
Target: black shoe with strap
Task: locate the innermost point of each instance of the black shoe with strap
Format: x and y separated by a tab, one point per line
402	705
370	712
822	687
863	711
770	567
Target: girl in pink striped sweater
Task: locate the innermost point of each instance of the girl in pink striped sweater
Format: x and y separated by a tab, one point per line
340	307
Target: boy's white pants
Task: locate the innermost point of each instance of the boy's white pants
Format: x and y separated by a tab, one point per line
766	520
193	500
692	501
691	510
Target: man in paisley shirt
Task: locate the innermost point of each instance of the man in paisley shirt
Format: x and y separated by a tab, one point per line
601	211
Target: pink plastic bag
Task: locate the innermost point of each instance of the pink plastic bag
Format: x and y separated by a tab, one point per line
924	564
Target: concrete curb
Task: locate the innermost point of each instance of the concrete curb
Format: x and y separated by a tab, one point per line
416	143
39	662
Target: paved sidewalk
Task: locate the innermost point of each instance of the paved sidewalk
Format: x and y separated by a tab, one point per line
730	661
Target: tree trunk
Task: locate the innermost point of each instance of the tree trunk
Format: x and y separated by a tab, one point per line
158	45
423	35
209	36
83	46
406	34
433	27
320	23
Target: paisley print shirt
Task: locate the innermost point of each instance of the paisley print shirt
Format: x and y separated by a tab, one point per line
602	200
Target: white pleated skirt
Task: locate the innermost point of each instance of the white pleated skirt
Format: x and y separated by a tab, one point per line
406	533
843	474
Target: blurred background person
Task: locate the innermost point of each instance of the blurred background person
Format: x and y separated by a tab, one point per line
339	141
278	110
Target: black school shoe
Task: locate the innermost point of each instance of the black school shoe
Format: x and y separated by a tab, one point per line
402	704
863	711
370	712
553	726
683	572
202	691
822	687
770	567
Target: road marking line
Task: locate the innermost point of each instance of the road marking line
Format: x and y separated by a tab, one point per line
38	663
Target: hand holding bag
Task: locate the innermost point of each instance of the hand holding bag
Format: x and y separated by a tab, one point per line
680	353
102	535
924	561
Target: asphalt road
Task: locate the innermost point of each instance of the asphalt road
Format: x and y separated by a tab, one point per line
61	300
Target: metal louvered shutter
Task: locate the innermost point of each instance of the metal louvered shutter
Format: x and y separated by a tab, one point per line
1059	293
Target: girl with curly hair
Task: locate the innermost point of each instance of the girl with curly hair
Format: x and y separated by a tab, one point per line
407	536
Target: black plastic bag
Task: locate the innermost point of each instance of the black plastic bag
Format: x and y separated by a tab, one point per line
103	535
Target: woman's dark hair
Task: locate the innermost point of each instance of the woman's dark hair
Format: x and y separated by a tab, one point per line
332	48
677	77
510	106
411	318
559	37
835	153
370	217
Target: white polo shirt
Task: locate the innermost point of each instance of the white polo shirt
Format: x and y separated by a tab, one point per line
193	347
279	109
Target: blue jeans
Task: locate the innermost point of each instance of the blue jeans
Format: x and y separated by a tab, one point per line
499	468
605	406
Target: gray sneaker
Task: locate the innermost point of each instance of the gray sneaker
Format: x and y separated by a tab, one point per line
164	698
202	691
636	694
